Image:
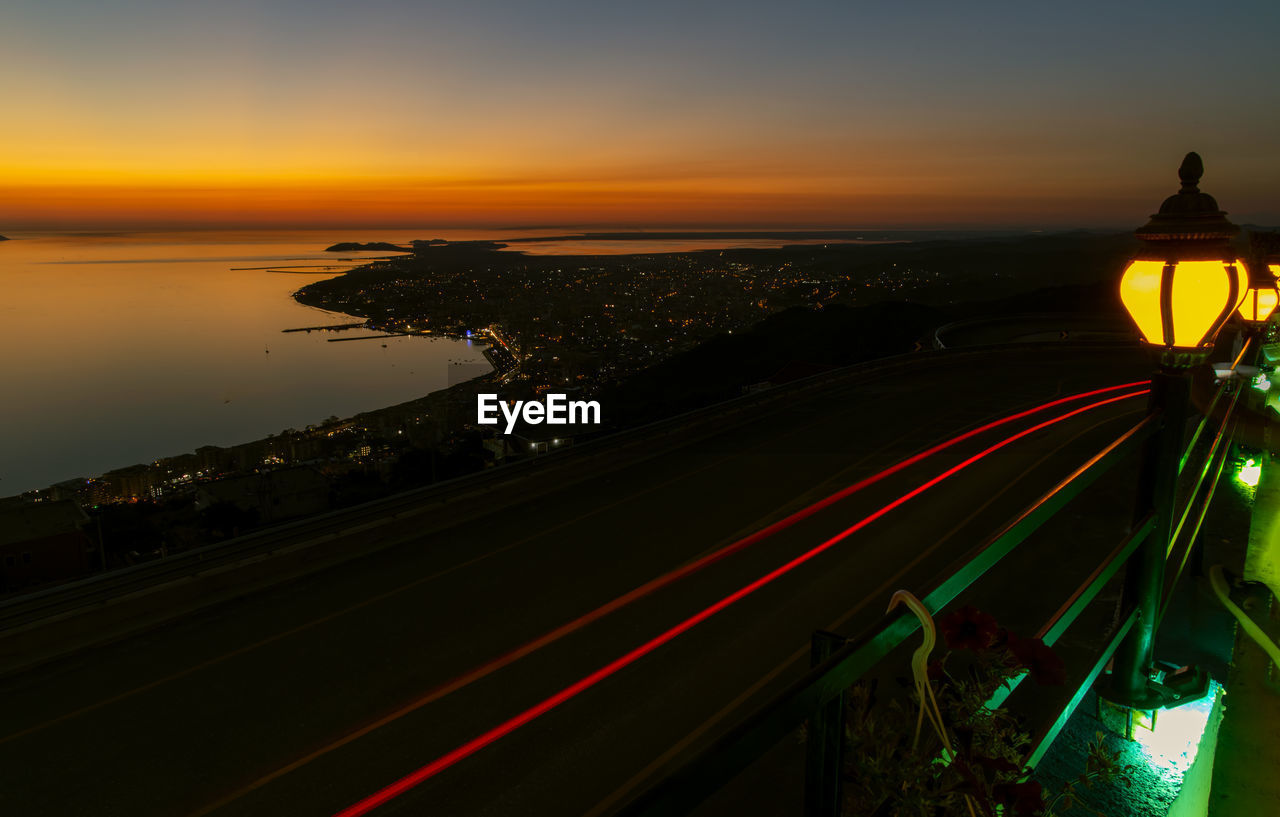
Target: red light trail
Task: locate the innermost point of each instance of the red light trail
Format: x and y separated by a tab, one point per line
672	576
469	748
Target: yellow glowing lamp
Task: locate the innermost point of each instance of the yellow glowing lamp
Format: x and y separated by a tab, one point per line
1182	304
1261	299
1186	280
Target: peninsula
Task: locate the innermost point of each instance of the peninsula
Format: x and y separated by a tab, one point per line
368	246
593	321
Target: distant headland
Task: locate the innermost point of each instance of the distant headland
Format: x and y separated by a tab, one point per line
3	238
369	246
415	246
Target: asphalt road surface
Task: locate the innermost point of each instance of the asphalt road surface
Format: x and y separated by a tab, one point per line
304	699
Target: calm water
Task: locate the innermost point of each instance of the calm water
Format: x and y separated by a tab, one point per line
121	349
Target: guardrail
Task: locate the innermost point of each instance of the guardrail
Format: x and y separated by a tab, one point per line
818	698
1064	322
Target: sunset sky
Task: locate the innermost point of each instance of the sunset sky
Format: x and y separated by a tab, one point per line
154	113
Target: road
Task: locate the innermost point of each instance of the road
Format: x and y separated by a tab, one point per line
304	699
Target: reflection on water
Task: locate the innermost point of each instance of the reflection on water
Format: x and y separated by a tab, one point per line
121	348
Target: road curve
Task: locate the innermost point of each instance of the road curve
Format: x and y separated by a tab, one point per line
308	697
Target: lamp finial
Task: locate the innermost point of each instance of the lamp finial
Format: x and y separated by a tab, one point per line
1190	171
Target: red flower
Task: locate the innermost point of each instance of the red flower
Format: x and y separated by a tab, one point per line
969	629
1034	655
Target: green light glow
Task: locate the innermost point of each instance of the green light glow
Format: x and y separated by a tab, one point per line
1171	746
1250	473
1261	383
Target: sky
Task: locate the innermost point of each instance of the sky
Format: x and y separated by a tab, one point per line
502	113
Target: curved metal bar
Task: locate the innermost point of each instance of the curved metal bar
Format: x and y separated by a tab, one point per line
1191	540
1208	462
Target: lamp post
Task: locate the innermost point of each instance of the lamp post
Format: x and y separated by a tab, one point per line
1180	288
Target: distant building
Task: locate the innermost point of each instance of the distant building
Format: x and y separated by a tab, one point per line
133	481
498	446
87	493
214	460
277	495
533	440
43	542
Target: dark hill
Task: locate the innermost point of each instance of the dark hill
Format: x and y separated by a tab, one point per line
719	369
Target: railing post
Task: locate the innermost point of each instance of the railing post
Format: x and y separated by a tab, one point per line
1144	575
824	745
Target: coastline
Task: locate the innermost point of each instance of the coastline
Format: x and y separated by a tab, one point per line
225	385
577	320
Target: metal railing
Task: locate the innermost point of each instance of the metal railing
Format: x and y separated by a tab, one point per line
817	699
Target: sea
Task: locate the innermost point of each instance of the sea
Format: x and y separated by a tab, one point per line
122	348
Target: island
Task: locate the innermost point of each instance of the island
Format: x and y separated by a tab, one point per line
415	246
369	246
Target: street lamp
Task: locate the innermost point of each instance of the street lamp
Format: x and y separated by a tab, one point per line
1180	289
1261	299
1186	280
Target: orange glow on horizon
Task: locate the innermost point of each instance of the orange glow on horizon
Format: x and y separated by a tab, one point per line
382	201
393	113
327	181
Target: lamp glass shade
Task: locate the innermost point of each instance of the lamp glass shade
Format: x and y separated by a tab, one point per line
1199	296
1140	293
